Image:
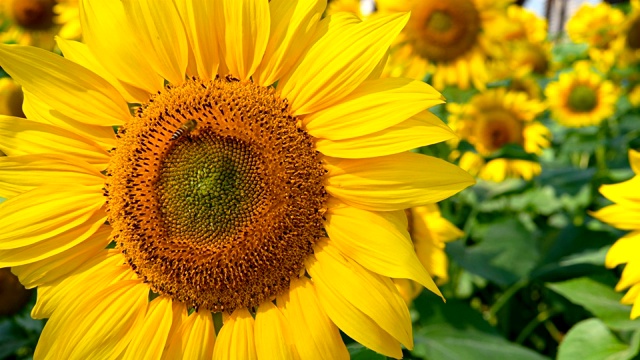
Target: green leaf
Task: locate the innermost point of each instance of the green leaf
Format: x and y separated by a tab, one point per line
455	331
596	294
592	340
499	256
359	352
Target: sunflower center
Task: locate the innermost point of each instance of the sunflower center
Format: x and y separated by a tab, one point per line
216	195
633	36
444	30
33	14
498	128
582	98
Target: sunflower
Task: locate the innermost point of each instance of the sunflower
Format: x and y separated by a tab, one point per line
10	98
430	231
351	6
581	97
492	120
229	217
634	96
597	26
453	40
630	36
624	214
36	22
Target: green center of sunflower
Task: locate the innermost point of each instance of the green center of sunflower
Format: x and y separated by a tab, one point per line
33	14
443	31
633	36
582	98
216	194
439	21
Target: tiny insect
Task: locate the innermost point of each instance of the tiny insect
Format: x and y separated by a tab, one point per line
185	128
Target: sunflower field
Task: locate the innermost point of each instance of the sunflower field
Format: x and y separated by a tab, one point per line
313	179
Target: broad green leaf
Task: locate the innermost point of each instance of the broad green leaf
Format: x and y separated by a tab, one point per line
592	340
454	331
598	297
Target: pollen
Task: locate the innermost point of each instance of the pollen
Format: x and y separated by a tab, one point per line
215	195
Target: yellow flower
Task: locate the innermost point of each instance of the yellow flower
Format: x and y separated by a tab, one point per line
581	97
230	218
630	36
453	40
36	22
351	6
634	96
625	215
10	98
429	233
598	26
496	118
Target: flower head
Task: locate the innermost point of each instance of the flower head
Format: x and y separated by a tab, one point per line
259	184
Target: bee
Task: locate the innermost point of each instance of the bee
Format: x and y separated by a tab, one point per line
185	128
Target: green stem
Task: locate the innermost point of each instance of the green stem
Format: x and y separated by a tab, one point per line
533	324
504	298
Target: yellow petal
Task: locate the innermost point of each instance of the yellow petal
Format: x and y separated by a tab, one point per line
338	62
161	37
243	35
236	338
619	216
365	306
19	174
315	336
194	340
421	130
293	23
273	334
104	137
64	85
149	339
80	54
119	54
24	137
394	182
201	31
99	327
91	277
375	105
634	160
623	250
379	241
48	220
623	193
52	269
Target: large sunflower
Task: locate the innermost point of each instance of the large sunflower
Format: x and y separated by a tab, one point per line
630	36
230	218
453	40
625	215
597	26
492	120
36	22
581	97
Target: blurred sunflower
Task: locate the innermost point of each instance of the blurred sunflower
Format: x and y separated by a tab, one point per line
598	26
226	198
625	215
581	97
429	233
36	22
492	120
351	6
630	35
634	96
10	98
453	40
